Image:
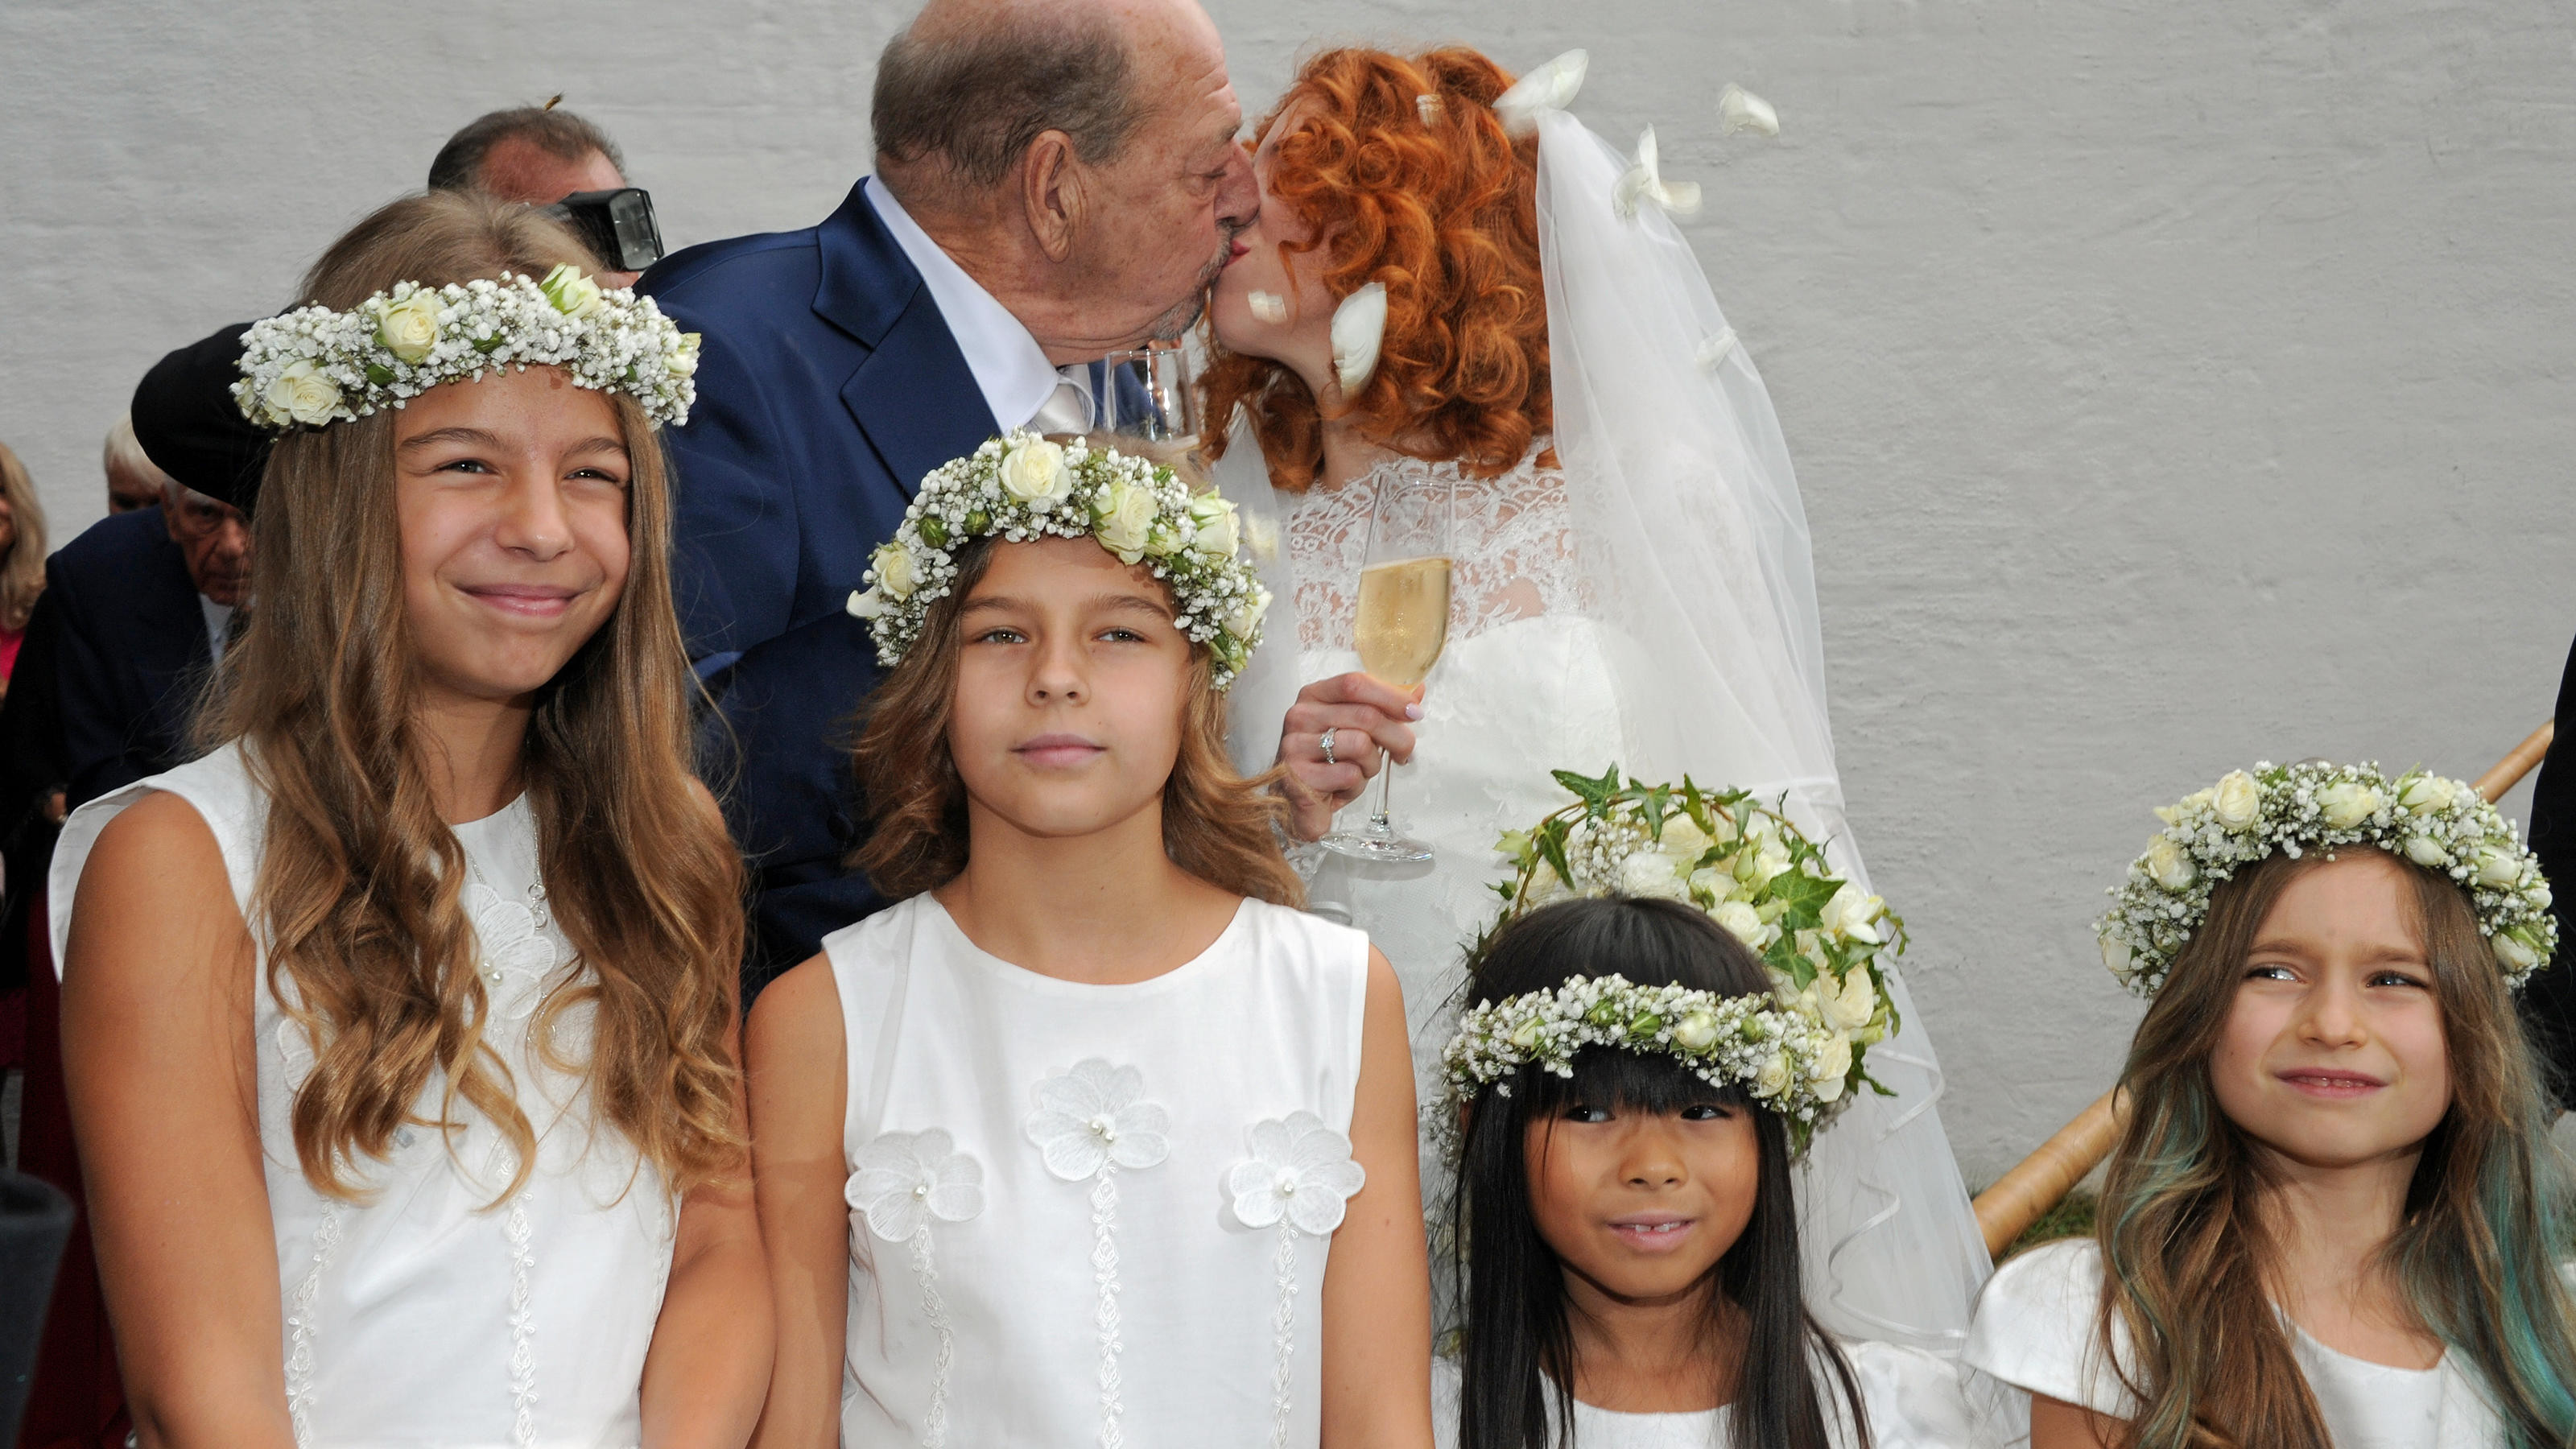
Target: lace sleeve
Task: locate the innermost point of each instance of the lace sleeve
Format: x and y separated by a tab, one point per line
1514	550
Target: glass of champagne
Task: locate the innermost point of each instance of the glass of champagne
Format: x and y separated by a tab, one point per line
1149	393
1400	627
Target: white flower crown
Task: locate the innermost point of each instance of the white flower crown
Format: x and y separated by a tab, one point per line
1022	487
1784	1057
2441	825
314	366
1801	1051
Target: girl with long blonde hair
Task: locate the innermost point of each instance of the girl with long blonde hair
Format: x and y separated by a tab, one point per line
2334	1216
400	1028
1092	1137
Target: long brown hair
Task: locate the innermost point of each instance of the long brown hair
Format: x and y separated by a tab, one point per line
1217	825
357	896
2186	1253
22	569
1443	211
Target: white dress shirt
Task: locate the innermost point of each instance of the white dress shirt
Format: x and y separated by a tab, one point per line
219	622
1010	368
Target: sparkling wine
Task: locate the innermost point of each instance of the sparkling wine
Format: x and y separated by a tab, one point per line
1403	618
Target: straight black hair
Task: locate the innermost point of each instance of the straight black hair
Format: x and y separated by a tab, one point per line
1517	1345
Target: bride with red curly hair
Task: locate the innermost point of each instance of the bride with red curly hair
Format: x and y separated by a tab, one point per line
1631	581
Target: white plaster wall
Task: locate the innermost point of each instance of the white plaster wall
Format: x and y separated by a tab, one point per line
2172	382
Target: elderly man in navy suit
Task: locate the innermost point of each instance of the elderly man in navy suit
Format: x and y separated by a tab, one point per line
1055	180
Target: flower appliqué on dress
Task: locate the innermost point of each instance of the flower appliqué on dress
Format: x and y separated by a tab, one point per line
904	1182
1089	1123
516	953
1301	1179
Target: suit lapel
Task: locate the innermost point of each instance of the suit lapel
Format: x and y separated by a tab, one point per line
913	397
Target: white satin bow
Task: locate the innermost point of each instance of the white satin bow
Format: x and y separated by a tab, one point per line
1644	181
1551	87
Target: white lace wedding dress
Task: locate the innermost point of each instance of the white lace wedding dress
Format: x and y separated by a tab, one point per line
1535	679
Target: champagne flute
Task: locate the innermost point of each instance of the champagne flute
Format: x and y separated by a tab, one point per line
1149	393
1401	626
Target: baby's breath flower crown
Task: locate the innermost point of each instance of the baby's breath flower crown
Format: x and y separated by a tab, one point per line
1022	487
2209	835
1798	1051
315	366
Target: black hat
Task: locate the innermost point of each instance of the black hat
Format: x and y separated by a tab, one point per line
190	427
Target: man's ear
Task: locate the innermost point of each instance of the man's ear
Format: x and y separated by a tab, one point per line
1053	193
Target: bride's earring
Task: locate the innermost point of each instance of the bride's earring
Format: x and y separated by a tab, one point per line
1359	325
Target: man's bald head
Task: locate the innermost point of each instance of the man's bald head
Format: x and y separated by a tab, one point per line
964	89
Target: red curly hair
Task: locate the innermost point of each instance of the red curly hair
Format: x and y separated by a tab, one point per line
1444	213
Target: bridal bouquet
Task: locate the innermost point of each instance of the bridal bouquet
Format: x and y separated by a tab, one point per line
1745	864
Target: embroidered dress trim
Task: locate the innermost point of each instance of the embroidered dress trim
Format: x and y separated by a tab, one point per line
1301	1178
902	1182
299	1322
1089	1123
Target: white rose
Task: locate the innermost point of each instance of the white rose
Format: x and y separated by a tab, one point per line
1853	914
1755	868
1696	1031
1772	1077
1849	1006
2115	955
1526	1035
1034	473
1741	922
2513	953
302	394
1247	615
572	293
2498	867
1833	1063
2424	850
896	577
867	605
2237	801
1650	874
1213	530
683	361
1723	824
1683	840
2170	865
2539	896
409	328
1129	524
2427	794
2347	803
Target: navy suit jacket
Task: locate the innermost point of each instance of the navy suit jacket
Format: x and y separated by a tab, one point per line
2549	1001
131	654
828	384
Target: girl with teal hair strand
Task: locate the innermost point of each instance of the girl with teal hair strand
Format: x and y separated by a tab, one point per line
2334	1216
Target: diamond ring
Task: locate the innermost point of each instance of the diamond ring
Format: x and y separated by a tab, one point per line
1328	748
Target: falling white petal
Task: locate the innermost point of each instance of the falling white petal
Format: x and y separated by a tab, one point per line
1359	325
1644	181
1714	352
1741	110
1428	105
1269	306
1551	87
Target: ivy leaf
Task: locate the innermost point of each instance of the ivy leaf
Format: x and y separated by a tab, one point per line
1657	804
1804	895
1595	794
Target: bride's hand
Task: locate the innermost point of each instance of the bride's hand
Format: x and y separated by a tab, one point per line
1368	722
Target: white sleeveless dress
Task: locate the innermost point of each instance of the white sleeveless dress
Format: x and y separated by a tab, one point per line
2035	1333
1093	1215
1913	1399
422	1315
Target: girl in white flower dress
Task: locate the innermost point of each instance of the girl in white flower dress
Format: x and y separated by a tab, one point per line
1092	1139
2333	1217
399	1027
1629	1094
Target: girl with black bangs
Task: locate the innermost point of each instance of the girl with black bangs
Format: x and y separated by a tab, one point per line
1635	1275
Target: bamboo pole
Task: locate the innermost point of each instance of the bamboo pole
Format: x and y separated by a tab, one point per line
2040	1181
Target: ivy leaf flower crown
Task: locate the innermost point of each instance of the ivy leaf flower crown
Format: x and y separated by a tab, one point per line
1800	1051
1022	487
314	366
2209	835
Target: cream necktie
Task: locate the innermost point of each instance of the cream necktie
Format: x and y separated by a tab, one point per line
1066	410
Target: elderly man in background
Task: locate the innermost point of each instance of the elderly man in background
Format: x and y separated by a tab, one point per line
133	483
1055	180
